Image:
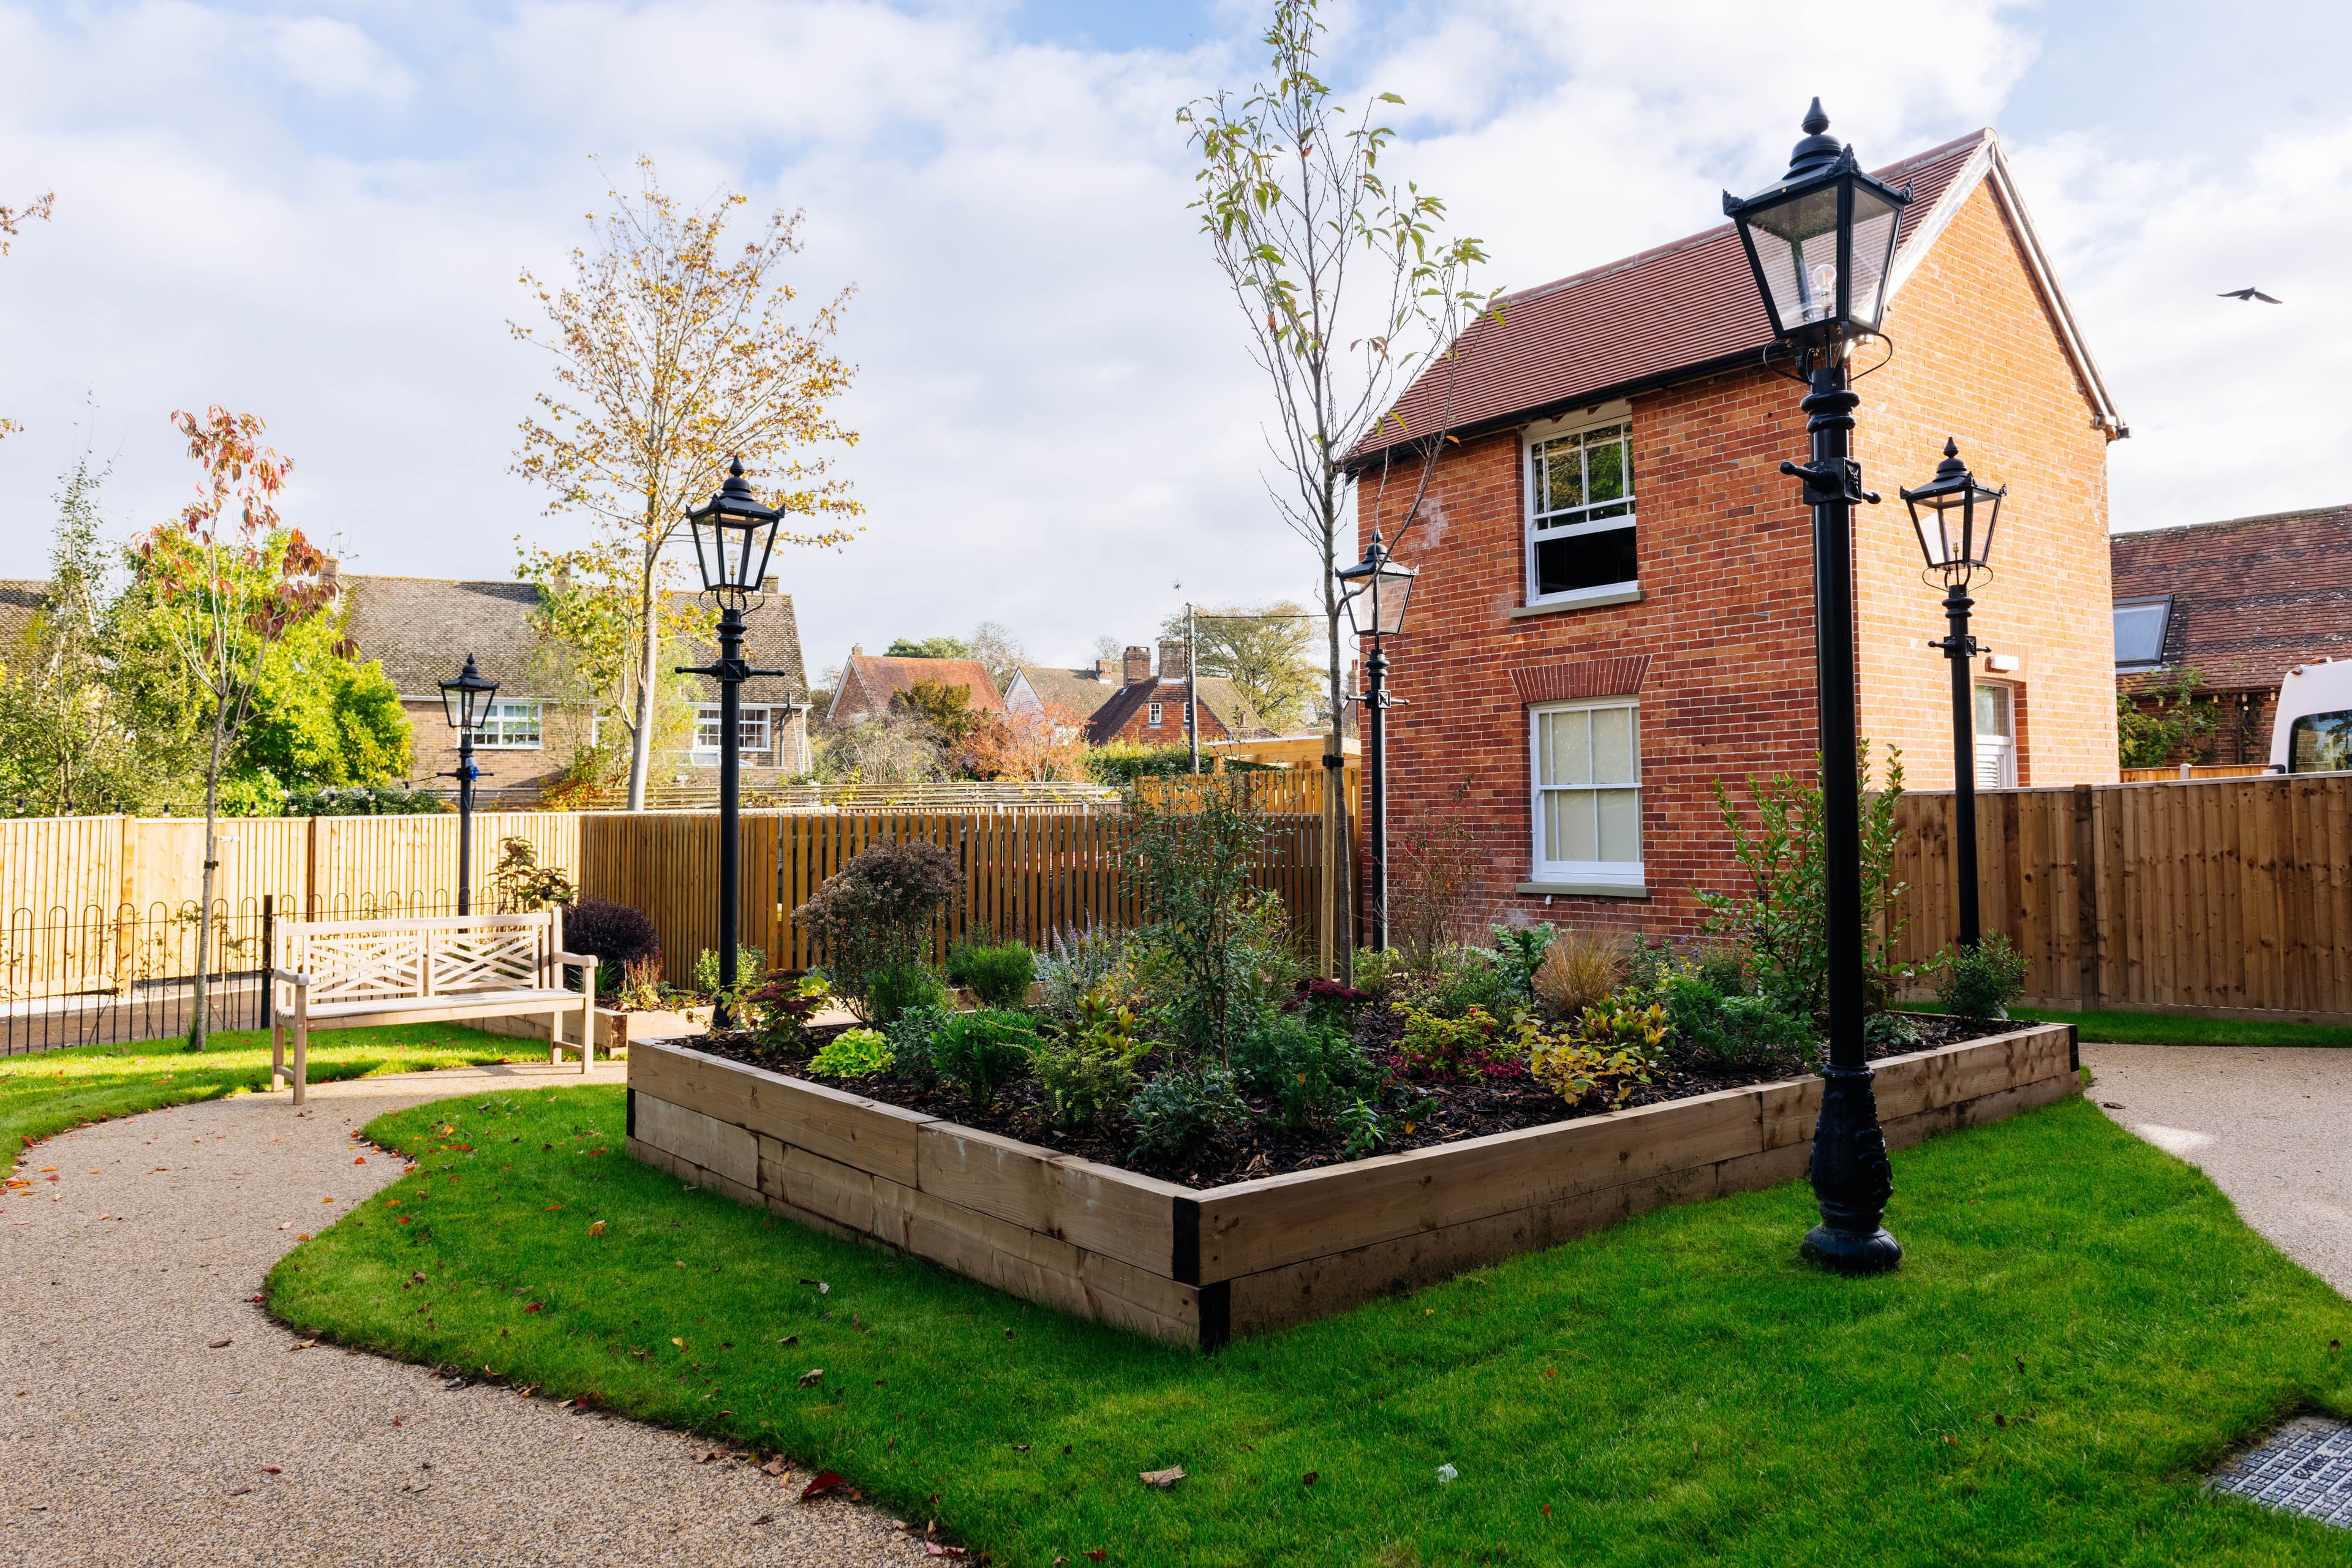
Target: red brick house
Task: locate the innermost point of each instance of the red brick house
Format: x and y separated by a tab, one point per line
1614	609
2240	603
1148	707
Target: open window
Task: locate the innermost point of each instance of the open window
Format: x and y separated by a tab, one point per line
1581	513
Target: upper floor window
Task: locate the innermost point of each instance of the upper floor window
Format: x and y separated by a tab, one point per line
1155	716
1581	512
2140	625
509	726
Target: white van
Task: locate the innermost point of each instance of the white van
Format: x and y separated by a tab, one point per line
2313	732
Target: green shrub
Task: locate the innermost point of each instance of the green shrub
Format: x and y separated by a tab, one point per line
1185	1114
998	975
1088	1064
1362	1129
981	1052
751	966
1377	972
1476	1044
1980	982
896	990
1461	979
1605	1056
777	1010
874	916
1309	1068
910	1035
1125	761
853	1053
1078	966
1735	1031
1200	951
1517	953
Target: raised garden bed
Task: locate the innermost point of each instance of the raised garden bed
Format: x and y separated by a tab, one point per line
1202	1264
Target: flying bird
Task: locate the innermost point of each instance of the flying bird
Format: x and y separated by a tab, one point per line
2246	294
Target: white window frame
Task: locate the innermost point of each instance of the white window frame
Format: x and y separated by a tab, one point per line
1999	750
1605	874
1537	436
510	725
706	716
1152	719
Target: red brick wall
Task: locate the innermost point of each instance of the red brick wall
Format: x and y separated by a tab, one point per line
1723	636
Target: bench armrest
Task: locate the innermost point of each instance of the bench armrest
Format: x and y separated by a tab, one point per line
289	976
578	960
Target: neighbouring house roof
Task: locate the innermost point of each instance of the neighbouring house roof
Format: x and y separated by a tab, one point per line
868	681
2251	597
21	598
420	629
1075	691
1685	309
1217	695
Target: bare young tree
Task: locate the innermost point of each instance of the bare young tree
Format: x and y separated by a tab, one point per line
1348	289
669	359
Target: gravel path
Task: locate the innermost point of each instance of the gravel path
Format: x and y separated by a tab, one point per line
128	1436
2272	1125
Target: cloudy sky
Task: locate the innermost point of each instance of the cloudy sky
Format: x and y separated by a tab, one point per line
318	213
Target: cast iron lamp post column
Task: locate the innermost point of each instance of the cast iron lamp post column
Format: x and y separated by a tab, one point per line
1820	242
1383	587
733	536
1954	516
467	701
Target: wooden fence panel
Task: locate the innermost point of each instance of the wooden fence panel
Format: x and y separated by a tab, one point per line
2211	895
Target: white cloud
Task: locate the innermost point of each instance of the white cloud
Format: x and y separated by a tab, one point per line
1057	415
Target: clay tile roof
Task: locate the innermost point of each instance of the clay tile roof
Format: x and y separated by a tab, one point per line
1217	695
420	629
2251	597
880	677
20	600
1633	323
1075	691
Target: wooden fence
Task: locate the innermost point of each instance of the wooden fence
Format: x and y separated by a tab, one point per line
2206	897
1026	874
2190	770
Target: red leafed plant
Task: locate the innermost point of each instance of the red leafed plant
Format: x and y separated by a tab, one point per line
221	584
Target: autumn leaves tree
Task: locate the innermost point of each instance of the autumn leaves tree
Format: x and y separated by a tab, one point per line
1347	287
222	584
670	354
1268	651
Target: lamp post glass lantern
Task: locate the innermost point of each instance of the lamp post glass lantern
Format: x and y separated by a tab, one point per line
1820	242
733	535
1376	591
466	702
1954	517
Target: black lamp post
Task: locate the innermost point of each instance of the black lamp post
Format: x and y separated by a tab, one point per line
1375	591
1821	241
467	703
733	536
1954	516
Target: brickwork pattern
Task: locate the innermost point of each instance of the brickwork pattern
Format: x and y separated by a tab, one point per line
1725	626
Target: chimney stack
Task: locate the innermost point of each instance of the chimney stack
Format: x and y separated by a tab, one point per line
1175	659
1135	665
1106	670
768	584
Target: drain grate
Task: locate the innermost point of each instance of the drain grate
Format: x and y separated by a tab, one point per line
2305	1467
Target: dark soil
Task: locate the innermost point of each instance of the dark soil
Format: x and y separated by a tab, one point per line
1456	1111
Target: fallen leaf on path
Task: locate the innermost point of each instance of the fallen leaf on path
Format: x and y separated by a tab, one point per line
271	1471
534	1306
238	1491
1097	1555
826	1481
814	1374
933	1549
1311	1478
219	1344
596	1229
765	1519
679	1342
1163	1480
789	1340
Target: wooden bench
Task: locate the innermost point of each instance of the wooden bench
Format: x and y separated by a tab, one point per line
349	974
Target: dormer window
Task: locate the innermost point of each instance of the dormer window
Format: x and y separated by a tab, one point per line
2140	627
1581	512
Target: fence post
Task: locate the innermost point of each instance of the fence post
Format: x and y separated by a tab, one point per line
2086	897
268	956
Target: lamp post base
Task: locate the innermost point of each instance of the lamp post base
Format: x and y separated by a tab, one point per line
1851	1178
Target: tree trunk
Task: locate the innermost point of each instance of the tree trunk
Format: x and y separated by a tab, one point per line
641	738
200	1021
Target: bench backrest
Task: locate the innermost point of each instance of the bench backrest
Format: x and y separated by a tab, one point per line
367	960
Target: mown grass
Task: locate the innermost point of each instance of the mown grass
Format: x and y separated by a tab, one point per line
2164	1029
2081	1328
47	1092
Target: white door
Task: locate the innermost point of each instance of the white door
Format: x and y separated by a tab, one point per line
1996	738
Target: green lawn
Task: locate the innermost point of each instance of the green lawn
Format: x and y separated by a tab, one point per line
2081	1328
49	1091
2164	1029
